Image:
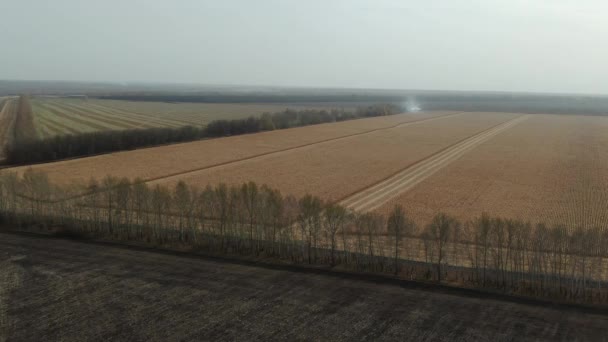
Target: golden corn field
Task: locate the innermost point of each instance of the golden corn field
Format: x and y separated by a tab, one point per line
551	168
537	168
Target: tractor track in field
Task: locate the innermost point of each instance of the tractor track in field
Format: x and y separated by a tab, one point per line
293	148
374	196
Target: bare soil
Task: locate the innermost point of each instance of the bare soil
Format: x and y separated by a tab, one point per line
53	289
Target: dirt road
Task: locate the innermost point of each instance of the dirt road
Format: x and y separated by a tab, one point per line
62	290
8	115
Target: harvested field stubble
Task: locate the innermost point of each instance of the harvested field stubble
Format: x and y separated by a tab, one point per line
338	168
380	193
159	162
552	169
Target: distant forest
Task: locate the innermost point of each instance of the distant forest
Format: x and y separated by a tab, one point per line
86	144
490	102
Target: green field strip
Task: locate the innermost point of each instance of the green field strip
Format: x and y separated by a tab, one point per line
190	118
128	123
193	119
42	131
66	128
52	127
75	116
55	128
160	120
87	125
160	114
108	123
136	121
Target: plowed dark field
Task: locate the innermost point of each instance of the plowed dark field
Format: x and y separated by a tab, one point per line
73	291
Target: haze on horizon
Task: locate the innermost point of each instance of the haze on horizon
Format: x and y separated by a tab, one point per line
501	45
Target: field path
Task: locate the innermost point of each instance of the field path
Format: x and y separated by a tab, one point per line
380	193
177	175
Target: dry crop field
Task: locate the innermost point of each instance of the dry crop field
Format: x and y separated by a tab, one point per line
92	292
335	169
177	159
549	168
56	116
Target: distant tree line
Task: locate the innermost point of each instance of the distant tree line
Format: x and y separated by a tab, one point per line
511	256
27	151
463	101
258	98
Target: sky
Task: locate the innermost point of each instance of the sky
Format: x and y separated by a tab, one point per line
489	45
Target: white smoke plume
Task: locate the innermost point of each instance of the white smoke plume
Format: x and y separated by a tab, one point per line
411	105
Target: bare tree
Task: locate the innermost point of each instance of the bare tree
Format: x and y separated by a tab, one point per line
374	223
141	200
222	210
109	190
483	225
182	198
161	204
274	214
250	195
398	226
335	216
310	220
441	228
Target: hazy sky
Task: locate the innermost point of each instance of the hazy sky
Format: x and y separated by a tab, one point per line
512	45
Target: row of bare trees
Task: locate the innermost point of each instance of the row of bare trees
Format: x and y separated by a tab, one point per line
250	220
